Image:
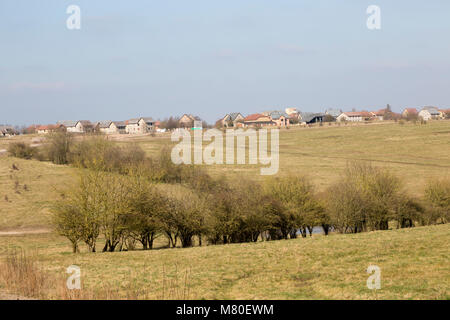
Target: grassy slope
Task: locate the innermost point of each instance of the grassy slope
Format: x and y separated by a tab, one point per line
30	207
414	264
414	152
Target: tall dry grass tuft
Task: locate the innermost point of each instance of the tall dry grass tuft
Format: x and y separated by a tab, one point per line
20	274
177	286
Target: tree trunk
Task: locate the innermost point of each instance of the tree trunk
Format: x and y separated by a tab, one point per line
105	248
75	247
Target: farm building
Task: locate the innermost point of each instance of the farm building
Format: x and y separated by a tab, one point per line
309	117
355	116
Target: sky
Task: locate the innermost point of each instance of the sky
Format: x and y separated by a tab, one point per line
208	58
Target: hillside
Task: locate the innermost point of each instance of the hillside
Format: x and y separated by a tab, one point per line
415	153
414	264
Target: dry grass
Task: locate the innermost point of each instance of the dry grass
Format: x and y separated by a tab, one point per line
20	274
415	264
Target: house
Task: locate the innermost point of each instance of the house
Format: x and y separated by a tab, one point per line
80	126
232	120
445	113
135	126
310	117
257	119
7	131
85	126
280	118
379	115
50	128
140	125
355	116
71	126
111	127
187	121
428	113
149	124
410	113
120	126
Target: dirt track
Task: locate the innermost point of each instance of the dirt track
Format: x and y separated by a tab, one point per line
21	232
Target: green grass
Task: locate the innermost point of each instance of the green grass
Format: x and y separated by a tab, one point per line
414	264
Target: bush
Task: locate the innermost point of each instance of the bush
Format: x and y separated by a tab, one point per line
365	199
98	153
21	150
437	194
58	147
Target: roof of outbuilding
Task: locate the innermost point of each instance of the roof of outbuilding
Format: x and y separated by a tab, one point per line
68	123
309	116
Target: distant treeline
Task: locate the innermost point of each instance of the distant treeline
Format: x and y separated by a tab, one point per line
126	198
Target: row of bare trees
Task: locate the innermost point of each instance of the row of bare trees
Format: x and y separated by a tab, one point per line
129	204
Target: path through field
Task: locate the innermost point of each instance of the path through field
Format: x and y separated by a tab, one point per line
20	232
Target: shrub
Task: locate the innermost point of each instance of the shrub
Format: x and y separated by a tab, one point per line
296	207
437	194
365	199
21	150
58	147
98	153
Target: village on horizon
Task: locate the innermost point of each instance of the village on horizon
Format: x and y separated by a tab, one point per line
277	118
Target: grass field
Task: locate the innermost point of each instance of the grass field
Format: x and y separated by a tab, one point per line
414	263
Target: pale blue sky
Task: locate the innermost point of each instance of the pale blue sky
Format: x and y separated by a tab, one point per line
161	58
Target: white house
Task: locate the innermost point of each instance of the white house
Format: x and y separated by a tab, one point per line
428	113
